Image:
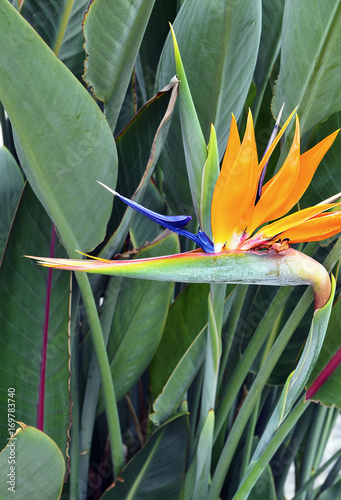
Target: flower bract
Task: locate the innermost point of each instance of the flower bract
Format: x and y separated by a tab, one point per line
247	215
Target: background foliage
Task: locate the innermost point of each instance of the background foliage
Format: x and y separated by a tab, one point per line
91	98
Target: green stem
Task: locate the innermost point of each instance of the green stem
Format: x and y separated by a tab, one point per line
327	429
313	439
74	387
233	319
256	468
290	449
91	393
248	358
254	393
105	373
313	478
249	440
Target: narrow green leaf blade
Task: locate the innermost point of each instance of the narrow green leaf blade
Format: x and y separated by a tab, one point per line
23	293
11	186
113	34
209	178
192	136
203	458
62	132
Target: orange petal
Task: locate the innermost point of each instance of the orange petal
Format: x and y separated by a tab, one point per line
293	220
231	153
318	228
270	205
309	163
236	187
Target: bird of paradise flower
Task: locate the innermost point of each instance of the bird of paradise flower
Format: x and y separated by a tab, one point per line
246	248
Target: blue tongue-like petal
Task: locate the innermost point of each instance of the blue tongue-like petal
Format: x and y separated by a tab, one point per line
175	223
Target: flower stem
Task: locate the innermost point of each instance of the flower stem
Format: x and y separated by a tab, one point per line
105	373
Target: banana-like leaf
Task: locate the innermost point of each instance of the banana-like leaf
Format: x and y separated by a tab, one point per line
66	143
157	471
186	318
11	186
133	142
113	34
32	466
48	19
60	26
71	50
23	307
218	86
272	16
180	379
135	336
310	61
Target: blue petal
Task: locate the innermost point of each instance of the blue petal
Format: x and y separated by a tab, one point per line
173	222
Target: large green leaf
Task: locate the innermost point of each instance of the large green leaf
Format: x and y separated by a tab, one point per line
135	143
157	471
154	38
32	465
48	19
23	303
11	186
66	142
225	35
186	318
137	163
310	61
71	50
113	34
272	15
60	26
180	379
140	314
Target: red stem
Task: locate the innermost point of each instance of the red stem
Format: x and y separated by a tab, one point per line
41	400
325	374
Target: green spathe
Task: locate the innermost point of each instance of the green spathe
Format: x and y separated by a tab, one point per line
288	267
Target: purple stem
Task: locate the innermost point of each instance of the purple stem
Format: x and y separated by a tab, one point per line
41	400
324	375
